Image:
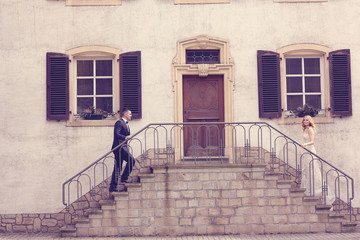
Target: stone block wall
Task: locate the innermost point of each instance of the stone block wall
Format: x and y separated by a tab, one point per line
52	222
207	200
32	223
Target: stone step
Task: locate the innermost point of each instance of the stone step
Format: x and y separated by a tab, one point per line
203	160
336	217
284	183
69	231
107	204
82	223
350	227
320	208
273	175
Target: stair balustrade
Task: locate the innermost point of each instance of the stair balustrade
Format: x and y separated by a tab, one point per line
247	143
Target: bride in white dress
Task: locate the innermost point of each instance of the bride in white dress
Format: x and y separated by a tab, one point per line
309	130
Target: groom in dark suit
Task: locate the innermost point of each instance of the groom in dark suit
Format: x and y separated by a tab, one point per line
121	134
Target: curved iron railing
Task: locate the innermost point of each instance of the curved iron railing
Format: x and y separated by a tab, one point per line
199	142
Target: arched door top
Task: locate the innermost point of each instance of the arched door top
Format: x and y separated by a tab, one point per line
203	42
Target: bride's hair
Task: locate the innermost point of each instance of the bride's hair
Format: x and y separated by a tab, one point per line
311	123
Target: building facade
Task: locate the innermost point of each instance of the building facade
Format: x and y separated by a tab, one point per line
62	59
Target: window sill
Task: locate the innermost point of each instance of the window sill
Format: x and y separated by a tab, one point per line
297	120
91	123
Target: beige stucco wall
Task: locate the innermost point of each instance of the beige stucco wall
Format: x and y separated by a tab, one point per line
37	156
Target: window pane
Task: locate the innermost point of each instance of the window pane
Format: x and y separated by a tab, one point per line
312	65
103	86
85	68
85	87
84	103
294	84
312	84
103	67
313	100
293	102
202	56
104	103
293	66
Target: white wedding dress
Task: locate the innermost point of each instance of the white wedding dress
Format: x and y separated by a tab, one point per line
311	169
312	165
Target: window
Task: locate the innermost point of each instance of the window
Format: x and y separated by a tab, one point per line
304	83
304	74
93	79
206	56
92	2
94	85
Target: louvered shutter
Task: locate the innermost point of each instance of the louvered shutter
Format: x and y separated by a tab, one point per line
57	86
130	82
269	84
340	83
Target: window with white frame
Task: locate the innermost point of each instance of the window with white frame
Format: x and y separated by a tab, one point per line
304	82
94	85
302	74
92	79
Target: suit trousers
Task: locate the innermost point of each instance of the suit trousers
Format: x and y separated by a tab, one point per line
126	156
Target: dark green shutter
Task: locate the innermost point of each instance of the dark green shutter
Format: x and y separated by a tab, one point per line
269	84
57	86
340	82
130	82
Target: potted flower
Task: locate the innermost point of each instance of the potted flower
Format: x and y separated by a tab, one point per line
94	113
306	110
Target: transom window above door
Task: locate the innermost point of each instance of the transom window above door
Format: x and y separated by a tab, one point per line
203	56
304	82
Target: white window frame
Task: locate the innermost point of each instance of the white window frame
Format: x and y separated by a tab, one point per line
94	95
303	75
92	52
306	50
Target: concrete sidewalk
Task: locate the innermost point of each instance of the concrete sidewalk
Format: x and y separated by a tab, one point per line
320	236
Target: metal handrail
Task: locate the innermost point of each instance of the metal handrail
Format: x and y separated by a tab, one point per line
174	134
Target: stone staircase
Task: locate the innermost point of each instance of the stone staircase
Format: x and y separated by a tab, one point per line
203	198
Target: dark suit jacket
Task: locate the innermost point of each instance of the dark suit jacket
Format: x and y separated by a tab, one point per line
120	132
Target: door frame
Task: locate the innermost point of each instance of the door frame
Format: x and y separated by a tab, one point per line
225	68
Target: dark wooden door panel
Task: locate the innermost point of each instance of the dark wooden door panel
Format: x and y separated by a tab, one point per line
203	100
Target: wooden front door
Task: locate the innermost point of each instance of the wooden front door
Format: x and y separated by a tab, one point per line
203	101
